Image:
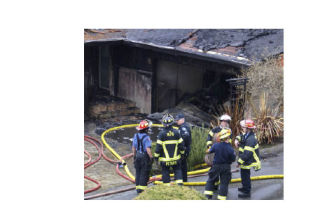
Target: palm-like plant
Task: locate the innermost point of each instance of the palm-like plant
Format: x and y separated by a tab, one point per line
236	114
269	126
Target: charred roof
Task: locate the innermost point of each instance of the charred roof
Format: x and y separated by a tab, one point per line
237	46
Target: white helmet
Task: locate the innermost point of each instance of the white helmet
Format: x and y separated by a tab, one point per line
243	123
225	117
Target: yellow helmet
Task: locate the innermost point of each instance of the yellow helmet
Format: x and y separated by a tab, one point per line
223	134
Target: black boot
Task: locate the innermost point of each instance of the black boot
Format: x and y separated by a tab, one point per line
139	191
209	197
241	189
244	195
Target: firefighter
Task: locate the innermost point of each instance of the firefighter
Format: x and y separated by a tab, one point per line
185	133
224	124
239	138
141	149
221	169
248	157
169	150
212	136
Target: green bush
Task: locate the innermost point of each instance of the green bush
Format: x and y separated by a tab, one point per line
198	149
156	169
173	192
198	146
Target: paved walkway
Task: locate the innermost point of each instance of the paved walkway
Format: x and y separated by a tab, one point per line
104	172
261	190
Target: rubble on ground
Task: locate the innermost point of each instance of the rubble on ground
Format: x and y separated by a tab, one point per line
105	106
193	115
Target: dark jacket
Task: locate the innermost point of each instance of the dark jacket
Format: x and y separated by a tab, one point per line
224	153
211	134
185	133
169	146
249	155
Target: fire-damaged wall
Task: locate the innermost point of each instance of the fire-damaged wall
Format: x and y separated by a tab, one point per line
153	80
135	85
91	73
175	80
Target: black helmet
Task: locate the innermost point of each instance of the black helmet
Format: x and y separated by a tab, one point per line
167	120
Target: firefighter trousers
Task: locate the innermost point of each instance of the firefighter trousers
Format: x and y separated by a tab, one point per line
245	180
143	166
184	169
176	170
222	172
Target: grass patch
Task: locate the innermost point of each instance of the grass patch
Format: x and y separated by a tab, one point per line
173	192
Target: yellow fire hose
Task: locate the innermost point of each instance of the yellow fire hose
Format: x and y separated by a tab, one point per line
200	165
235	180
195	172
114	152
189	173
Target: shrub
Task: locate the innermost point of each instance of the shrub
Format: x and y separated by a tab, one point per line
173	192
265	98
264	101
265	77
198	146
269	126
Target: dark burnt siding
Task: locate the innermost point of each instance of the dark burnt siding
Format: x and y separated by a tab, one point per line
188	75
176	66
91	73
133	76
138	58
132	57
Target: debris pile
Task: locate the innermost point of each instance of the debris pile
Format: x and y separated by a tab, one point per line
193	114
105	107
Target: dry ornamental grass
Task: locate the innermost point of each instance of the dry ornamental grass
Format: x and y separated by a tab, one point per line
264	101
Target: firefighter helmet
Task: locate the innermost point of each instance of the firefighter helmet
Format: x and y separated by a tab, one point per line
243	123
225	117
249	124
167	120
223	134
143	125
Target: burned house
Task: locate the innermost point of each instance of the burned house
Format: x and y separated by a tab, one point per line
156	69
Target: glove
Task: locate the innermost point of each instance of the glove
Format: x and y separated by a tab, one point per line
257	168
